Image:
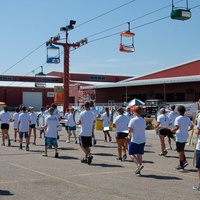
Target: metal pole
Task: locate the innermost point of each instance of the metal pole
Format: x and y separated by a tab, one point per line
66	75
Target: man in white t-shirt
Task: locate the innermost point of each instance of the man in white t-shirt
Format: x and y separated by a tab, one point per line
51	125
86	120
182	124
197	187
23	127
97	115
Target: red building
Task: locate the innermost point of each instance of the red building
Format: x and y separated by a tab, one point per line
174	84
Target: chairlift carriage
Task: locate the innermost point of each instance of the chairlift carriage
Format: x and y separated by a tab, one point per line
180	13
53	54
40	79
129	37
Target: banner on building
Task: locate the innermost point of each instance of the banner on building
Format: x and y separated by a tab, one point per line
58	94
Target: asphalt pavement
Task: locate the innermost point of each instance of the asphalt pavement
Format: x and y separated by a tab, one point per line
28	175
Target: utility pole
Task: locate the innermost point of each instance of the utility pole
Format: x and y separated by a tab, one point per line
66	46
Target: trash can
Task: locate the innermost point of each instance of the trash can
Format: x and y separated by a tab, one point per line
99	124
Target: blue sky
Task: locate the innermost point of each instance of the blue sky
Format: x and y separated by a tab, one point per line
27	24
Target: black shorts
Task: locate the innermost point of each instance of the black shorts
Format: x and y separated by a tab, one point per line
85	141
32	126
5	126
198	159
164	132
180	146
121	135
67	128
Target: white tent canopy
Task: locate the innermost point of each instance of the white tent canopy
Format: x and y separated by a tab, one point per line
136	102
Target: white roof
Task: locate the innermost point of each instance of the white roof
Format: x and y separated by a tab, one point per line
147	82
26	84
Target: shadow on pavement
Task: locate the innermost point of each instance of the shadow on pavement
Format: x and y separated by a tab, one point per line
161	177
105	165
5	193
67	158
103	154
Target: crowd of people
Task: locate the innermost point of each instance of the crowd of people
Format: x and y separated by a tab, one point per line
130	131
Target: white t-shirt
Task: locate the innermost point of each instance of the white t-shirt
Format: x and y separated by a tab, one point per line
71	121
5	117
172	115
138	124
15	119
66	117
164	120
121	122
24	121
87	119
129	116
182	133
95	111
52	123
33	117
106	119
198	127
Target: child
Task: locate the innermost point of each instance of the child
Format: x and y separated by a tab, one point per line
197	187
51	124
15	124
182	124
106	123
23	127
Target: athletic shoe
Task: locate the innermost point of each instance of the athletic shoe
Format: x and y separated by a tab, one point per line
84	161
89	160
27	149
67	141
44	154
161	154
56	155
94	142
196	187
165	152
119	159
110	139
124	157
34	143
139	168
9	143
138	173
185	163
75	142
20	148
179	167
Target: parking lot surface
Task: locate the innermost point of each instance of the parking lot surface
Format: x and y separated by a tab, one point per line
28	175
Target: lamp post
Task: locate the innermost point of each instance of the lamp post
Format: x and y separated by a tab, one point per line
66	46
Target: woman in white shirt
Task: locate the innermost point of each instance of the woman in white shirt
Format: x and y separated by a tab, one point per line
182	124
137	127
15	124
106	124
121	125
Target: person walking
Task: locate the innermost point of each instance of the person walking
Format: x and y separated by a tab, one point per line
172	115
15	124
66	125
121	125
23	127
86	120
32	126
162	129
137	126
182	124
71	125
106	124
51	125
197	153
5	118
40	121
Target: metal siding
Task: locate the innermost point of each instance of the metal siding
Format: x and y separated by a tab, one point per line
33	99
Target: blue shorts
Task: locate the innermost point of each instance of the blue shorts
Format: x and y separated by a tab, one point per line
198	159
72	128
136	148
21	134
51	142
